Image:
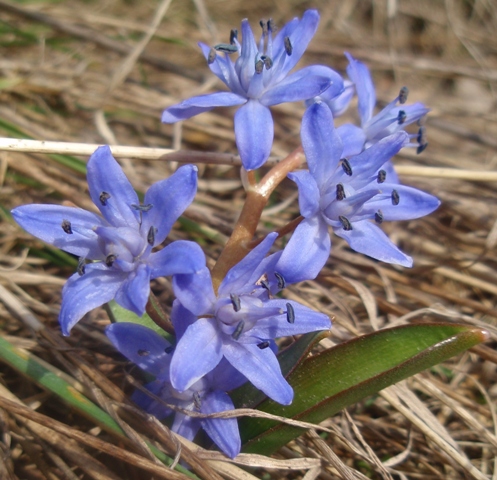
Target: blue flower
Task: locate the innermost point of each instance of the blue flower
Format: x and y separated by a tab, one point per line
258	79
352	195
238	324
121	242
152	353
391	119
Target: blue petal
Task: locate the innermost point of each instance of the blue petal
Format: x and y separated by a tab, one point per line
367	238
245	64
186	426
254	132
149	404
261	368
338	104
225	377
45	222
169	199
224	69
366	95
366	164
306	252
105	175
300	34
413	203
223	431
302	85
135	290
238	276
309	195
141	345
306	320
195	291
200	104
321	143
84	293
181	256
181	318
353	139
197	353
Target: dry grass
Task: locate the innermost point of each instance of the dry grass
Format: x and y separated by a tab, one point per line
85	72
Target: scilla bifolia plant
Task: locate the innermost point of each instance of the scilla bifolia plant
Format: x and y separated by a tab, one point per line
225	322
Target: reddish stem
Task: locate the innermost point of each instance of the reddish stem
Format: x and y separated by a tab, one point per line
238	245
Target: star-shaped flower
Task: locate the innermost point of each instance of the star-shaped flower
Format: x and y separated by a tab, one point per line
152	353
121	241
352	195
258	79
238	324
395	117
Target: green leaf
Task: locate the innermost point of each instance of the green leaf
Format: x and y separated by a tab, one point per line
327	382
119	314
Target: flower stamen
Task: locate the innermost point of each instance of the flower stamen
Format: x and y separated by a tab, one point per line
290	313
66	226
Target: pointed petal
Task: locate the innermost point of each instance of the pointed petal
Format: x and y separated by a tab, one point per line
197	353
353	139
306	252
366	165
261	368
149	404
105	176
45	222
238	276
225	377
185	426
300	33
135	290
254	132
223	431
179	257
169	199
84	293
413	203
366	95
182	318
309	195
245	64
321	143
224	69
338	104
200	104
367	238
195	291
141	345
304	84
392	176
306	320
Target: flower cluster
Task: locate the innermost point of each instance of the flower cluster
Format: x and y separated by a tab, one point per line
258	79
226	328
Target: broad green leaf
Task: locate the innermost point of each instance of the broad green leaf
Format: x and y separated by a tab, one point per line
327	382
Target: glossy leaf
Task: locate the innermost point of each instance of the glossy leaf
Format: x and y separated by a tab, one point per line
338	377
